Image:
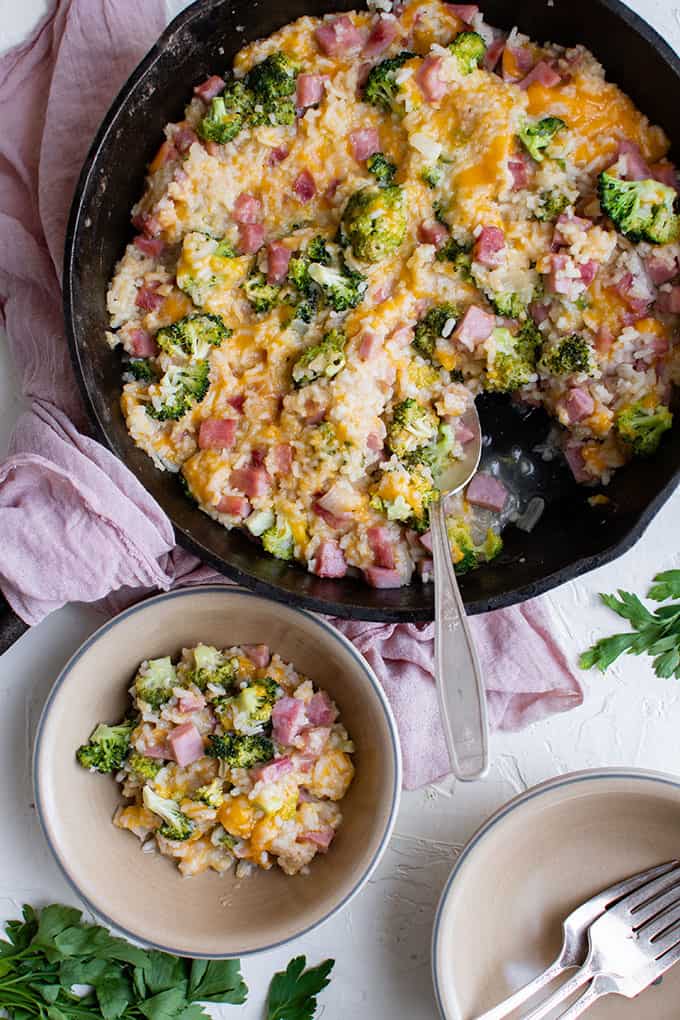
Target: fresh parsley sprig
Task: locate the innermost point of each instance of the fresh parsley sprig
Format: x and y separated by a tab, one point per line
293	992
656	634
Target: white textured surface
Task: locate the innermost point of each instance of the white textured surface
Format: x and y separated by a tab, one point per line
381	943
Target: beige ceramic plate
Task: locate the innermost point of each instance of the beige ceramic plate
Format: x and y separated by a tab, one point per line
499	918
143	894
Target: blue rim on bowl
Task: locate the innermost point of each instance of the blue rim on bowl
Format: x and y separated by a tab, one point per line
223	591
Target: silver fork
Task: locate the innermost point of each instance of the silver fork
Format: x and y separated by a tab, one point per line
575	938
632	944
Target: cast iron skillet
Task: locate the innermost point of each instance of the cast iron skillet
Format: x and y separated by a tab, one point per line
571	537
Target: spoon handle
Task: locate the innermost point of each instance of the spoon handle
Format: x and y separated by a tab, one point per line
462	701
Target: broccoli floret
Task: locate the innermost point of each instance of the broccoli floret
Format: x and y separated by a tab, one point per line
321	361
508	305
511	362
141	369
467	554
438	454
641	210
570	354
193	336
382	169
211	667
439	321
374	222
469	49
256	702
240	750
144	767
537	136
107	747
642	427
272	83
180	388
342	289
212	794
405	495
457	254
316	252
261	295
551	205
278	540
155	680
175	825
225	250
432	175
381	89
413	428
228	114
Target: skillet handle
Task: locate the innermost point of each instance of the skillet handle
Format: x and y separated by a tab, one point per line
11	625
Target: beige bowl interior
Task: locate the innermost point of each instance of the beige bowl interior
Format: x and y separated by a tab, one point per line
144	894
500	921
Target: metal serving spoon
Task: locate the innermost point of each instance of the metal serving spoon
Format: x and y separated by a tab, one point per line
458	675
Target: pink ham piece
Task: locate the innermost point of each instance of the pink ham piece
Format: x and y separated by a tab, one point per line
520	173
184	137
303	763
604	340
272	771
304	186
309	90
369	345
278	257
331	520
363	143
381	36
380	577
257	456
277	155
210	88
234	506
542	73
337	36
142	343
374	443
431	85
186	744
494	51
253	481
382	547
564	220
250	238
283	457
329	560
339	499
632	163
191	701
321	838
313	740
217	433
320	710
464	434
247	208
562	278
426	540
588	271
668	301
237	402
635	292
466	12
148	224
475	327
486	491
539	312
578	404
489	247
151	246
288	719
661	268
522	58
667	174
574	458
432	232
259	654
148	299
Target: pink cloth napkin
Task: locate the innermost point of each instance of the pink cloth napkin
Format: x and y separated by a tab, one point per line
75	523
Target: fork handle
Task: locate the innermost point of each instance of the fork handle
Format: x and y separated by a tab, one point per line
576	981
525	993
599	986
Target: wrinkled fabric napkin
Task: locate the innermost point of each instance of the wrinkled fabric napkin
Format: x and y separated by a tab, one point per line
75	524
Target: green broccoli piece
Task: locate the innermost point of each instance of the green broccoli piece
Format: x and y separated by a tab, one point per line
342	288
468	48
382	169
322	360
509	305
316	252
261	295
438	455
536	136
228	115
225	250
438	321
144	767
180	388
155	680
414	510
374	222
141	369
640	210
570	354
272	82
381	89
107	748
212	794
642	427
193	336
211	667
278	540
511	362
466	553
413	428
432	175
256	702
260	521
459	255
175	825
551	205
240	750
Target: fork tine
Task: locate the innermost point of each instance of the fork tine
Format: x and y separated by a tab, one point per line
626	907
667	931
669	958
660	910
630	885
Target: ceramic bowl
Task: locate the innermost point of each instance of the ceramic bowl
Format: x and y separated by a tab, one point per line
143	895
499	919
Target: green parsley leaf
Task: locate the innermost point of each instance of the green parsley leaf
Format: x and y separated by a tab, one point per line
217	981
667	586
292	993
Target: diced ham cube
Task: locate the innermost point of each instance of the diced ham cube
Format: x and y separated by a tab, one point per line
565	277
494	51
309	90
426	540
667	174
431	85
247	208
217	433
278	257
283	457
210	88
237	402
559	239
382	546
464	434
142	343
184	137
148	298
329	560
578	404
380	577
668	301
542	73
186	744
147	224
288	719
257	457
369	345
259	654
341	499
517	62
588	271
632	163
337	37
253	481
151	246
519	168
313	740
489	247
191	701
331	520
475	327
574	458
250	238
486	491
374	443
432	232
635	292
364	142
381	36
466	12
277	155
320	710
321	838
233	506
272	771
662	268
304	186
